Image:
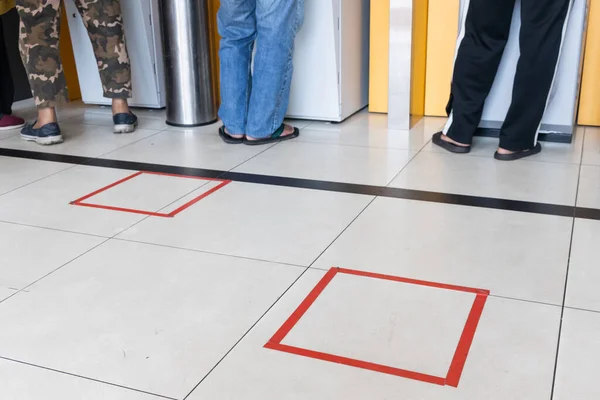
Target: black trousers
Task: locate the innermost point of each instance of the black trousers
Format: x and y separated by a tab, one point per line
7	89
481	45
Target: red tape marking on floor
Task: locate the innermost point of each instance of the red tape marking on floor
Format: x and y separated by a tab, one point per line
80	201
460	355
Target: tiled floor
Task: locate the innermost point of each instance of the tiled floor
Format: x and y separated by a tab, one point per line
108	302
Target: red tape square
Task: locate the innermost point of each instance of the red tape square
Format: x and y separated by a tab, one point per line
460	356
80	201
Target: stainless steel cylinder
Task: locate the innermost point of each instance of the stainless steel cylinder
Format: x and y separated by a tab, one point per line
191	94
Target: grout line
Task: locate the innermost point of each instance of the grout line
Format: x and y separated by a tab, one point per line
53	229
542	303
246	333
40	179
405	166
279	298
582	309
562	311
86	378
24	288
211	253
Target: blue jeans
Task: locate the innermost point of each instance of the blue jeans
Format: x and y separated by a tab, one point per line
254	101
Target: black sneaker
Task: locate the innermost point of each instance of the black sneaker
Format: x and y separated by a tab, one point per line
46	135
125	122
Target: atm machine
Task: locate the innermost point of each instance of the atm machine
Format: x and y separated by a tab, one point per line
142	29
331	61
558	123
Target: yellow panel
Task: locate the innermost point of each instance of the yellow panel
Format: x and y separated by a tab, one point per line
68	60
379	56
589	106
419	57
441	42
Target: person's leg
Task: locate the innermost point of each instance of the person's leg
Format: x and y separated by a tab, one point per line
39	45
237	27
543	24
480	47
7	89
278	22
104	22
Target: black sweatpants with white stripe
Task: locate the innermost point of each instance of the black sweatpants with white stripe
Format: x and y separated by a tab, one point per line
481	44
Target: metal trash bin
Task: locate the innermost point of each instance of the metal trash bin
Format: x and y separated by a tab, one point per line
191	94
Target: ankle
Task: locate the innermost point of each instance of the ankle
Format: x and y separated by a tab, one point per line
46	116
120	106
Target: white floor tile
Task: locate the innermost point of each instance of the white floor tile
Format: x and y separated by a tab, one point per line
298	123
584	274
512	357
24	382
17	172
29	253
589	187
46	203
512	254
382	326
105	119
478	176
356	135
363	119
569	153
579	357
255	221
195	148
591	150
7	134
81	140
145	317
351	164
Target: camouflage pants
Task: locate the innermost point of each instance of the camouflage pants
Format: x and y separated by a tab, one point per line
39	44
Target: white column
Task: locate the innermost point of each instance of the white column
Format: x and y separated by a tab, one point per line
400	52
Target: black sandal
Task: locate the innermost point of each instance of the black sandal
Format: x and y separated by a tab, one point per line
451	147
518	155
227	138
274	138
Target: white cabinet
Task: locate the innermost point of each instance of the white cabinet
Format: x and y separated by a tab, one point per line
142	30
331	61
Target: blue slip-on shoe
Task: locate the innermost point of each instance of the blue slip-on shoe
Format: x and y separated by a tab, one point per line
125	122
45	135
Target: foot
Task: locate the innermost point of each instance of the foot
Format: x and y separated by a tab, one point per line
234	136
446	139
446	143
505	152
46	116
125	122
45	135
8	122
510	155
288	130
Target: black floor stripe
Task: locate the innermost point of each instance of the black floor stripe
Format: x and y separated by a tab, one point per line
382	191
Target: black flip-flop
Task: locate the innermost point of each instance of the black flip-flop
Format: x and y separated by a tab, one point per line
521	154
227	138
451	147
274	138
